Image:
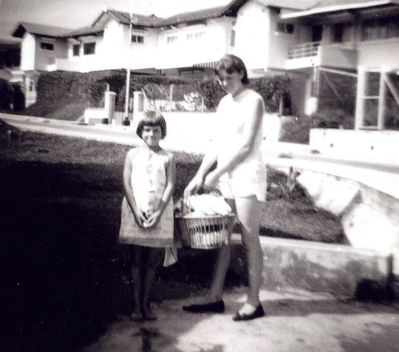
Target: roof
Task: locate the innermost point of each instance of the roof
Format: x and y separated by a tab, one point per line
124	18
138	20
39	29
326	6
83	31
289	4
229	9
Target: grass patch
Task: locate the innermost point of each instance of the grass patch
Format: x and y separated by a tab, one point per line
69	111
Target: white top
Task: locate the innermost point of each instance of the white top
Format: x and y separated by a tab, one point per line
148	178
233	117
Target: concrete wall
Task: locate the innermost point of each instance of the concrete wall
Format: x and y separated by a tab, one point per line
44	58
256	38
194	44
28	52
279	43
375	145
379	53
252	28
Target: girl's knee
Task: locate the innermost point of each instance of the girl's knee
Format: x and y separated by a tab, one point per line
250	241
155	256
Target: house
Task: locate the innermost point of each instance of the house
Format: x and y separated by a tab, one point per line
343	41
324	46
186	44
349	39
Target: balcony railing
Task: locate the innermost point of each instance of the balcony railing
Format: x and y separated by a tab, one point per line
304	50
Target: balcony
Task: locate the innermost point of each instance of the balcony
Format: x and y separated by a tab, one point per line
311	54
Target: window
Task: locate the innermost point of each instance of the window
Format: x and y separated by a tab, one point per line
194	35
46	46
139	39
381	28
76	49
232	37
317	33
286	28
89	48
171	39
338	33
32	86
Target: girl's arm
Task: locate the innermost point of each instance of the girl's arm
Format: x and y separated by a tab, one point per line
167	193
198	180
244	146
127	188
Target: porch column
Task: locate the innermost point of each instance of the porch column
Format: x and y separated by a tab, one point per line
382	98
360	92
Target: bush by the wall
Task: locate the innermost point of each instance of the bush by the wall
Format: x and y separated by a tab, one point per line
6	94
12	97
272	89
63	88
18	98
333	118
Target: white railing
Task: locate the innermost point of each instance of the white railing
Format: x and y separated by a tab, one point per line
304	50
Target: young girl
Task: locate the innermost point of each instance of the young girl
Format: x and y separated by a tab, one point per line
147	209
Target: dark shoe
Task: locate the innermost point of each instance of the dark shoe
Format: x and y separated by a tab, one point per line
214	307
257	313
136	317
148	314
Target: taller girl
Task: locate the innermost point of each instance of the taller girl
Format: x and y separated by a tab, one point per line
241	176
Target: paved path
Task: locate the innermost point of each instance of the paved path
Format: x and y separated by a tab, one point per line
295	322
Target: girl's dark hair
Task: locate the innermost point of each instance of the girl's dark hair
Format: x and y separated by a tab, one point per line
230	64
151	118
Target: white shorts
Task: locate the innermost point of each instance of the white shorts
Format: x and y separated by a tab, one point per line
235	188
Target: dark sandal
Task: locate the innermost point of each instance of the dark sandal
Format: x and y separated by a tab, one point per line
214	307
257	313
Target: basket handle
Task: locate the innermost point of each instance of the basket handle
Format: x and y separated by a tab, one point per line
185	204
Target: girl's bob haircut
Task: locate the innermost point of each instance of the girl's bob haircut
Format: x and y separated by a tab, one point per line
230	64
151	118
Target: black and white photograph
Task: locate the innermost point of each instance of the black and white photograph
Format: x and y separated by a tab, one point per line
199	175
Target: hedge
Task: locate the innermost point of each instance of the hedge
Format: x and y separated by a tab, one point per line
62	88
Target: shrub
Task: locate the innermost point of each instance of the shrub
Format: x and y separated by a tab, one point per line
272	89
295	130
6	94
18	98
333	118
63	88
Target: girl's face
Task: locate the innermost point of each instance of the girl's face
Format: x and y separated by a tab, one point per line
151	135
231	81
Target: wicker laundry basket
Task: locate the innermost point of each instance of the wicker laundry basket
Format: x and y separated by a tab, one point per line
206	232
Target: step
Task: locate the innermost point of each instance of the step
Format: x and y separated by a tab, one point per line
340	270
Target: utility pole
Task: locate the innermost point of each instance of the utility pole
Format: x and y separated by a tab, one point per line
128	67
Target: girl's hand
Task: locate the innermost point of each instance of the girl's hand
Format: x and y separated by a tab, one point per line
193	187
153	219
140	218
211	180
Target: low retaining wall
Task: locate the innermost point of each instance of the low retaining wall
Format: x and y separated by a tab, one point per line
374	145
340	270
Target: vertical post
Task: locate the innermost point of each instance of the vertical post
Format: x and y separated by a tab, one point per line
382	99
171	90
360	92
128	69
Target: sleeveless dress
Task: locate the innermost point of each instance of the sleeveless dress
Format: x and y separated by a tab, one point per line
249	176
148	182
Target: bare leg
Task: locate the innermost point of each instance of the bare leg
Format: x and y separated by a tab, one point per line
137	262
152	264
249	214
221	267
